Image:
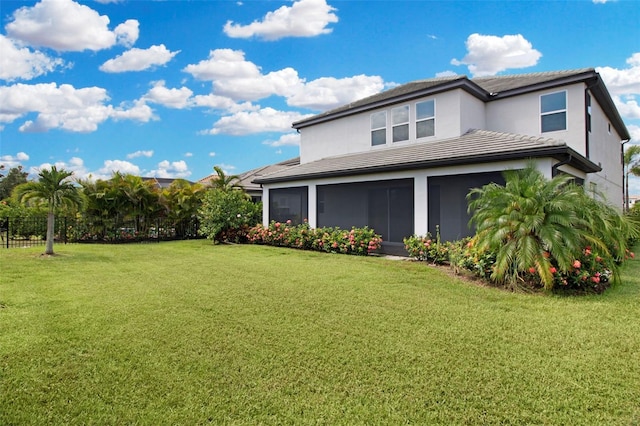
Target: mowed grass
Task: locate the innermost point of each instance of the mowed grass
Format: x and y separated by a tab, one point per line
191	333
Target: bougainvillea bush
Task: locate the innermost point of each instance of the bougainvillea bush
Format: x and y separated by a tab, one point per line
357	241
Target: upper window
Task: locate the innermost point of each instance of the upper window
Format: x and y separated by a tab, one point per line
553	112
400	122
379	128
425	119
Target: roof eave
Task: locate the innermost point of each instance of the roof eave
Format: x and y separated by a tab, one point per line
557	152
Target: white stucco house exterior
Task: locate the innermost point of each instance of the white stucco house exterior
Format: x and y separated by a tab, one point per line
403	161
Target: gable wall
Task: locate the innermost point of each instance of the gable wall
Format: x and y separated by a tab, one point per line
521	115
455	112
605	149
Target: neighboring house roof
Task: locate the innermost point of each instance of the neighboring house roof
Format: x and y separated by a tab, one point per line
246	179
162	182
485	88
475	146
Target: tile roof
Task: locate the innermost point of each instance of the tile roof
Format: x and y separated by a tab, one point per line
246	178
475	146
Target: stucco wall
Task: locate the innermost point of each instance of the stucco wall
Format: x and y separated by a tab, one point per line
521	115
455	112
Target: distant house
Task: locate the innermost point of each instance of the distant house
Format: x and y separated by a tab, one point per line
246	179
161	183
403	161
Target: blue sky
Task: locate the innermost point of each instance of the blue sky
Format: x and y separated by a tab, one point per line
172	88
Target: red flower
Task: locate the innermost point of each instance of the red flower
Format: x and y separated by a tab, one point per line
532	270
577	264
553	270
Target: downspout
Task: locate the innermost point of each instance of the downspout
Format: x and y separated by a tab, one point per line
554	168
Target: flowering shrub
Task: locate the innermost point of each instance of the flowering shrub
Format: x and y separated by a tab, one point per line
590	271
426	248
357	241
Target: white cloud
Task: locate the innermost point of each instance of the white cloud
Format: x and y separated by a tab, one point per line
623	81
288	139
212	154
328	92
21	63
139	59
65	25
112	166
248	122
74	165
11	161
64	107
188	154
305	18
140	154
445	74
175	169
634	131
235	78
624	86
127	33
171	98
488	55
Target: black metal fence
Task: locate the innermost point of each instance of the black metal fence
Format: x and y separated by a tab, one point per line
32	231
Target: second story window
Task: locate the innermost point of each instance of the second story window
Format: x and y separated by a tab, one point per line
400	123
379	128
553	112
425	119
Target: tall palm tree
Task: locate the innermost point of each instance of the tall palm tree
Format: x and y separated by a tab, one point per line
224	181
53	189
631	166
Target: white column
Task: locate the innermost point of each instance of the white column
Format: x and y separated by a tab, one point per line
420	204
312	205
265	206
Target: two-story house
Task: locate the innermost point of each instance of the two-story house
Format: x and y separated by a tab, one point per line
403	161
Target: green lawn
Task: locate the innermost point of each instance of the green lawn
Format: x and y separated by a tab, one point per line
191	333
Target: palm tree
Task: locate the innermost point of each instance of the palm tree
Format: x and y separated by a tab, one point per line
53	189
527	223
224	181
631	166
533	222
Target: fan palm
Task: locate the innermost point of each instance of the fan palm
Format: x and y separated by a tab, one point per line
53	189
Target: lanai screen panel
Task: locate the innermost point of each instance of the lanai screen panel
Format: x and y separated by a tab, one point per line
385	206
448	202
289	204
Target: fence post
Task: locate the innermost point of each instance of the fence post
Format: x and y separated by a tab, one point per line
6	230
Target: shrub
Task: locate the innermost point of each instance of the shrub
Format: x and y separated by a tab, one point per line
227	215
357	241
427	248
532	222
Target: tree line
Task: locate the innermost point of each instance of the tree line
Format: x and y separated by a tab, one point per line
124	198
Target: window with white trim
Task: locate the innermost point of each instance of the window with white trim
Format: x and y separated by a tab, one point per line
553	112
400	123
425	119
379	128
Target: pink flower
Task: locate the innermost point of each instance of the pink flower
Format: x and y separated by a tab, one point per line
577	264
289	222
632	254
553	270
595	279
532	270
